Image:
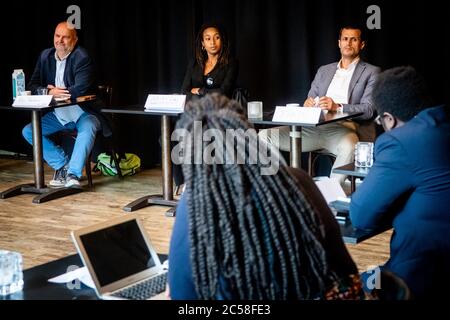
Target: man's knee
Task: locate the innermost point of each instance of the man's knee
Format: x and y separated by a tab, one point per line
271	136
264	135
347	144
27	133
91	125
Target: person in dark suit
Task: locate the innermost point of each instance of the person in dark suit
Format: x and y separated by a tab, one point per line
340	86
67	71
408	186
245	233
213	69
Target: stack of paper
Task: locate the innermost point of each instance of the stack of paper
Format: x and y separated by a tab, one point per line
81	274
335	197
165	103
330	189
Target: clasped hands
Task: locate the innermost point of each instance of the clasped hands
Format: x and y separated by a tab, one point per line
325	103
57	91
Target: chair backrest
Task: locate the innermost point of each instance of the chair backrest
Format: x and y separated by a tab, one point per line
241	95
367	131
105	93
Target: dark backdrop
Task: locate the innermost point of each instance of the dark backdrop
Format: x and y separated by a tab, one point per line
143	46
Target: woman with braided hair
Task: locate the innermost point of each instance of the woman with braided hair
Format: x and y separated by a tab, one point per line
241	234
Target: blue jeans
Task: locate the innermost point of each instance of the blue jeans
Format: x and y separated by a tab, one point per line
86	126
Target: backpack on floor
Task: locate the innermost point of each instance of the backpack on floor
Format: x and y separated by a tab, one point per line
129	165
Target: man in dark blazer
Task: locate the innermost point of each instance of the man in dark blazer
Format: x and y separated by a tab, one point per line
67	71
340	86
408	186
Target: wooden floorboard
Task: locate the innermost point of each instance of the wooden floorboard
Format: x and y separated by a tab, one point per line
41	232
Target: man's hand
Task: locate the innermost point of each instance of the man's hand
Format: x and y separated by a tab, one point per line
56	91
309	102
326	103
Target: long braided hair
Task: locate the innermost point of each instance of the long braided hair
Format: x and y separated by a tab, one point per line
252	235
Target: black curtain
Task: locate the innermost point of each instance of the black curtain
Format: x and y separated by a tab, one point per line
142	47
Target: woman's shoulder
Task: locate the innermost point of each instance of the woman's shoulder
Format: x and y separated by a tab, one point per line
231	63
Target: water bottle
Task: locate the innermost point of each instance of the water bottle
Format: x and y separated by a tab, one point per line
18	82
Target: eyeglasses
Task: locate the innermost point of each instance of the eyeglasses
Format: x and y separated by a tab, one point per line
378	120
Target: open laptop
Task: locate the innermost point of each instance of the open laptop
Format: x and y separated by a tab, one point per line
120	259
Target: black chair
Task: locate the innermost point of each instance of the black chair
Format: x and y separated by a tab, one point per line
241	95
105	95
320	162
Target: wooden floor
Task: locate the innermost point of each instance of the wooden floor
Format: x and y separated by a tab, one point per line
41	232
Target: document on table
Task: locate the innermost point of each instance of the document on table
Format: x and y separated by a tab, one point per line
33	101
165	103
81	274
297	114
331	189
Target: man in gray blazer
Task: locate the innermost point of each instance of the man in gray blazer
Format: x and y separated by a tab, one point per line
343	86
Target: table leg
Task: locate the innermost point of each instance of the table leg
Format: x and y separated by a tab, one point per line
43	193
166	159
15	191
296	146
39	181
166	199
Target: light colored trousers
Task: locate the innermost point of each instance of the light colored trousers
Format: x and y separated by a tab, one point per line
337	138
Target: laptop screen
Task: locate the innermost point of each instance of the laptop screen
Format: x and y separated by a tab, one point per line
117	252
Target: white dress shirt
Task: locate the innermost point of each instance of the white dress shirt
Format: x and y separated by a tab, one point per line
338	89
65	114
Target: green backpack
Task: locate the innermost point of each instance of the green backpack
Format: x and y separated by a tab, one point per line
128	165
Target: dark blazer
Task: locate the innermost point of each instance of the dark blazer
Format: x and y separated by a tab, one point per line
180	271
79	78
221	79
408	188
359	93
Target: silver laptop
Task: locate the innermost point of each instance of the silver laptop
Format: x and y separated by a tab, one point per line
121	259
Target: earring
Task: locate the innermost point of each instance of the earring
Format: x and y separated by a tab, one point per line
203	48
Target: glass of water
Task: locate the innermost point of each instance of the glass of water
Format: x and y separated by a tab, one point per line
255	109
364	154
42	91
11	275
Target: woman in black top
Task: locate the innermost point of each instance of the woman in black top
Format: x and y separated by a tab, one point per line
213	69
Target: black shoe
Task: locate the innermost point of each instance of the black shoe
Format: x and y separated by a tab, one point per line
59	178
72	181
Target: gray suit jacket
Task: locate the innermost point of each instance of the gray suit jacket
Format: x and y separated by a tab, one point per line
359	93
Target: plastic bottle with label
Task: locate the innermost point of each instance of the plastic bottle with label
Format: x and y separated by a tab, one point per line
18	82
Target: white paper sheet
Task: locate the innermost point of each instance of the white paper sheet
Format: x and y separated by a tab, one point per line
316	101
172	103
33	101
330	189
81	274
294	114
